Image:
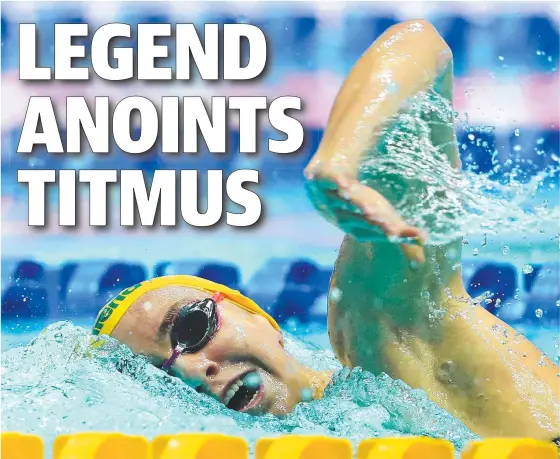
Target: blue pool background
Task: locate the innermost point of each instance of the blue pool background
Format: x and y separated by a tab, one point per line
285	261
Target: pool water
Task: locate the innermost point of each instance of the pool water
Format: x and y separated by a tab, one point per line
54	383
57	384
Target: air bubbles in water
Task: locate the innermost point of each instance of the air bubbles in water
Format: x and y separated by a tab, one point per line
539	313
505	249
475	252
527	269
420	181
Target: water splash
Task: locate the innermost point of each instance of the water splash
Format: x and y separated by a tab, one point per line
58	384
417	176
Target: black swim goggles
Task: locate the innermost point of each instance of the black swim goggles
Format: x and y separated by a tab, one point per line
195	325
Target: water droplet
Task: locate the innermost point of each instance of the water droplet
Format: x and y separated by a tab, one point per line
344	194
539	313
471	136
306	395
516	132
505	249
527	269
540	141
558	304
253	380
335	294
501	58
475	252
393	88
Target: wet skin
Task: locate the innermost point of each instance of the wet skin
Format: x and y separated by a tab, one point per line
497	385
245	343
469	362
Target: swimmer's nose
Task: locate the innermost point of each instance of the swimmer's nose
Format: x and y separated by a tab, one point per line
207	372
200	368
211	369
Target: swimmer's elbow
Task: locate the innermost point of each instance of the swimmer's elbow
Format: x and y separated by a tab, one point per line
435	37
424	37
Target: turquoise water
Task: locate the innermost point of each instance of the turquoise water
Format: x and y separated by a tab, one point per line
54	383
51	387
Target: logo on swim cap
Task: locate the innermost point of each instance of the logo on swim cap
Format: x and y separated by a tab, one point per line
109	308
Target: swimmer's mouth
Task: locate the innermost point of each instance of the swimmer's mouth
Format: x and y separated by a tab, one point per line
244	393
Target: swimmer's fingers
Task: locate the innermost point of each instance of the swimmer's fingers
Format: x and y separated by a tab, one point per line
379	212
414	252
357	209
362	230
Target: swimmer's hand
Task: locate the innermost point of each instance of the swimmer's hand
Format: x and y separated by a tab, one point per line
358	209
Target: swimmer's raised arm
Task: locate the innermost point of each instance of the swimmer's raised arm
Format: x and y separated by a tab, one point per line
405	59
412	321
408	58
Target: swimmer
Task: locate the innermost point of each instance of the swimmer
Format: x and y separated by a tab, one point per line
467	361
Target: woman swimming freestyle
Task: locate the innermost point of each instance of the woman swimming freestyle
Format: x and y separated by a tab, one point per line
468	361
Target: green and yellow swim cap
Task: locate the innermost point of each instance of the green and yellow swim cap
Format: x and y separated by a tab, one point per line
111	314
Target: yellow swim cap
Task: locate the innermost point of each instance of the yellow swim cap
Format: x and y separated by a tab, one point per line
111	314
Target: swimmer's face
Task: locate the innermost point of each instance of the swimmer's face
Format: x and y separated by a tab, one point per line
244	365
